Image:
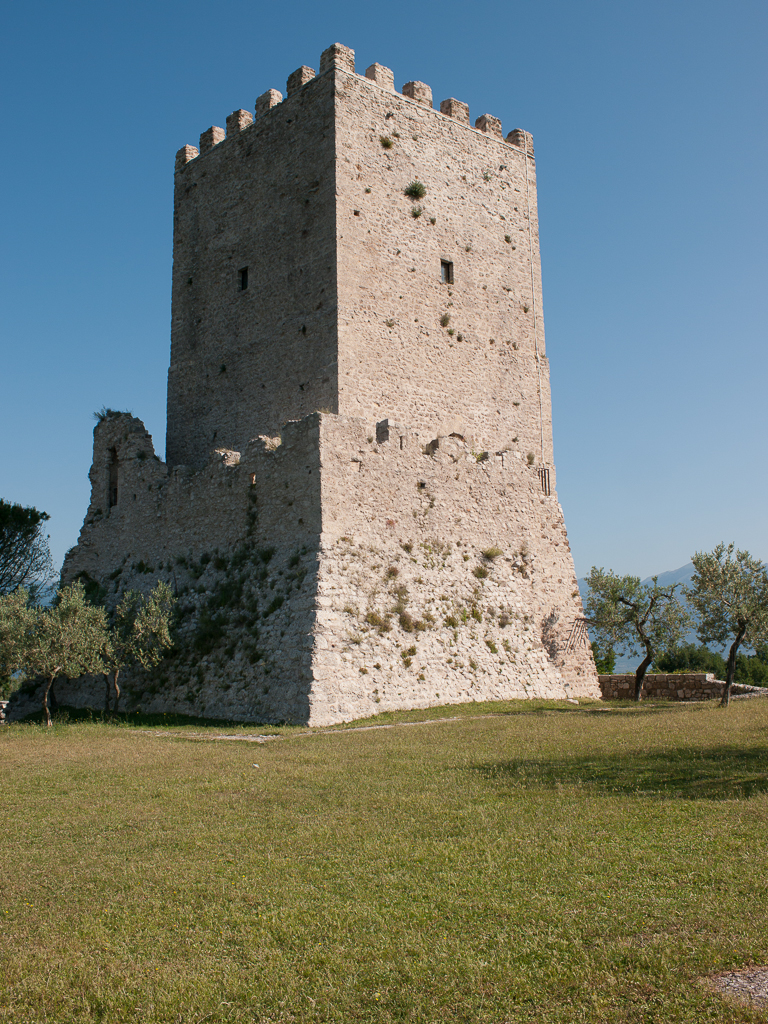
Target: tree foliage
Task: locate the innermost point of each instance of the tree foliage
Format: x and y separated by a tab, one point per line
74	637
67	639
140	633
632	616
17	618
750	669
605	659
25	559
729	592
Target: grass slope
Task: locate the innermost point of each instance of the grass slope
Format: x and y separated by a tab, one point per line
547	863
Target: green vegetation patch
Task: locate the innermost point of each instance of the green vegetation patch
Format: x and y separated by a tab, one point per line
545	863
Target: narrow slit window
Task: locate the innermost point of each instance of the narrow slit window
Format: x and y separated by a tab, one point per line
243	275
446	272
544	477
112	479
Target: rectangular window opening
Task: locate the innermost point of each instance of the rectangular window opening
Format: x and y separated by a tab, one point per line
544	477
243	275
446	272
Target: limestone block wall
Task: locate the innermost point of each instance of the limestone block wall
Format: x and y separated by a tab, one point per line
244	360
456	355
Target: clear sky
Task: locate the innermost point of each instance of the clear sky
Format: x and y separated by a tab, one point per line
651	144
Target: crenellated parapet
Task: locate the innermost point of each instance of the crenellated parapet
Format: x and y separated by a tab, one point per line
335	58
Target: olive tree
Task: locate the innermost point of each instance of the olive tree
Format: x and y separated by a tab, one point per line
139	634
68	639
729	592
632	616
17	619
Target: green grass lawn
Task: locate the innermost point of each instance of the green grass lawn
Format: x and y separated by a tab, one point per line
545	862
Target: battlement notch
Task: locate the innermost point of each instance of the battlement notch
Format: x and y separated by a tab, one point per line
522	140
299	78
212	137
238	120
184	155
381	76
267	100
456	109
418	91
337	56
490	125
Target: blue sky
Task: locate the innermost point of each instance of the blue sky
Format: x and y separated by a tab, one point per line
649	126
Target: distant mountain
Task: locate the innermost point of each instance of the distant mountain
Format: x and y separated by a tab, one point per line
666	579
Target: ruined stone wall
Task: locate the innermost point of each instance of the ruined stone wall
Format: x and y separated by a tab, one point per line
476	373
245	361
355	567
665	686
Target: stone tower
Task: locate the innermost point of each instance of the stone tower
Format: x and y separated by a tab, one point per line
358	507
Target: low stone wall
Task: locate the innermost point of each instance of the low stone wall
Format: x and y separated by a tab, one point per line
667	686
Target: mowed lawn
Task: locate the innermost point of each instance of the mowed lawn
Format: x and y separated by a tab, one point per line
542	863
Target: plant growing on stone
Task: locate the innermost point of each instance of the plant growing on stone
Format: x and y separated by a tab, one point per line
729	592
632	616
386	142
416	189
140	633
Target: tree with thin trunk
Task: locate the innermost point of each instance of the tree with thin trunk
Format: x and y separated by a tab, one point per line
729	592
67	639
139	634
635	617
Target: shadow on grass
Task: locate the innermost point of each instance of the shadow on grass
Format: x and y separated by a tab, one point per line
721	773
136	719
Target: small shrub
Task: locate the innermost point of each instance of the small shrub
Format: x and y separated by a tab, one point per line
531	458
492	647
480	572
526	309
451	331
389	323
378	621
406	622
416	189
363	671
392	572
508	239
417	211
277	602
451	621
445	319
490	553
407	546
432	220
386	142
475	613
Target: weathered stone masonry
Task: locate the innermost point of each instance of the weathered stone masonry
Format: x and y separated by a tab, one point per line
358	509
